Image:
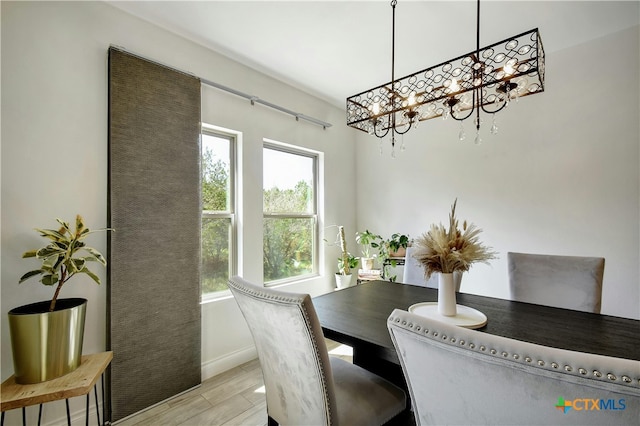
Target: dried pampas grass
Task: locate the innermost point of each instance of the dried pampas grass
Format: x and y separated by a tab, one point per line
447	250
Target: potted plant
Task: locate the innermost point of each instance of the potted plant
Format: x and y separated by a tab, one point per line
447	250
390	251
344	275
368	240
46	337
346	262
397	245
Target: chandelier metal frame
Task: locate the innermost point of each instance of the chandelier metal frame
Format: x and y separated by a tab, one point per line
485	79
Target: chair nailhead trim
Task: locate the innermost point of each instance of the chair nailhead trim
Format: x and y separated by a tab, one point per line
453	340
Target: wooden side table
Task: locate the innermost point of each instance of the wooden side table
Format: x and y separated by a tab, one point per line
78	382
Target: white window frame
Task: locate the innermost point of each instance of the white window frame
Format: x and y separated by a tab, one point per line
315	252
231	214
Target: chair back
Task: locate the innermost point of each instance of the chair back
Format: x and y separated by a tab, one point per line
570	282
461	376
414	273
292	353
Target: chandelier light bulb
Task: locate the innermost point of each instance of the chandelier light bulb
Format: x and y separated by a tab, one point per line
508	69
412	99
375	108
454	86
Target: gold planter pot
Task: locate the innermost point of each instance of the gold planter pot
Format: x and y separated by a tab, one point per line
47	344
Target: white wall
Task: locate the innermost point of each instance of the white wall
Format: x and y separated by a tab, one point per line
54	155
561	177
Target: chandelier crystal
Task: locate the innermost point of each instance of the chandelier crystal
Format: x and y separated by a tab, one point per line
486	79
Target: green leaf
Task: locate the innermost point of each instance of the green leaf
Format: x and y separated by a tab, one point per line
65	225
96	256
30	274
51	234
91	274
48	251
30	253
61	245
79	225
49	279
77	265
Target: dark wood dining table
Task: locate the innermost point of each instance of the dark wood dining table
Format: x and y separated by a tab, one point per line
357	316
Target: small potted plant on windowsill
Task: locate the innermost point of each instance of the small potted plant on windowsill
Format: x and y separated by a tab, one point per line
368	240
46	337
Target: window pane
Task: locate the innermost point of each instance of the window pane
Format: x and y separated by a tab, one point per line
288	247
216	237
216	170
288	182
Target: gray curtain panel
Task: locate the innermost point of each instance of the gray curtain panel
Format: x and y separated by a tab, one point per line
154	253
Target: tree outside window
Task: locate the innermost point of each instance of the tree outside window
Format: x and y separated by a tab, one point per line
218	220
290	216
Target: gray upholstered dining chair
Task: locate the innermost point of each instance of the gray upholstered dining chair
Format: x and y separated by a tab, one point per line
460	376
304	385
570	282
413	273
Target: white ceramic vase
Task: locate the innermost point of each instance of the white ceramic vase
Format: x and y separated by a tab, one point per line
343	281
446	295
367	263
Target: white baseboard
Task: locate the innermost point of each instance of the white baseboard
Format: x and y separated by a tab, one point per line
220	365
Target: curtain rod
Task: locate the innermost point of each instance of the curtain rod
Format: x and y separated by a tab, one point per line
255	99
252	98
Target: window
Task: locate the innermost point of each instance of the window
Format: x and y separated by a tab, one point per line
290	212
218	210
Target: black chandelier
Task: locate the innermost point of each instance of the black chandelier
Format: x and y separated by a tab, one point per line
486	79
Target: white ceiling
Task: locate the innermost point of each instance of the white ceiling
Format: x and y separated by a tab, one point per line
334	49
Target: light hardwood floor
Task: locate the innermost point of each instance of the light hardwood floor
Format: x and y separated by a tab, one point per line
235	397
